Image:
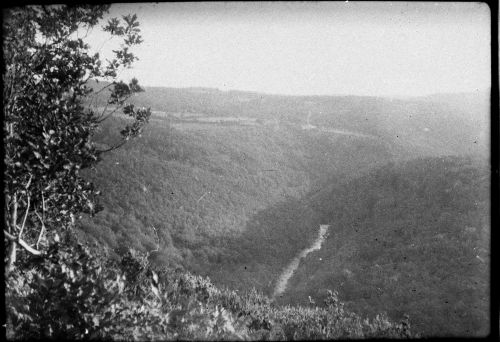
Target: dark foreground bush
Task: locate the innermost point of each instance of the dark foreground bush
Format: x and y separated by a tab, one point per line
72	294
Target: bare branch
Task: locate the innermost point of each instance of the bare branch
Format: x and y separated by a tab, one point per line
94	95
113	147
22	243
42	230
28	247
9	236
25	215
103	88
104	43
14	212
29	182
43	206
87	33
100	118
113	111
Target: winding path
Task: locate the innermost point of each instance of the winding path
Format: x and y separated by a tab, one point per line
294	264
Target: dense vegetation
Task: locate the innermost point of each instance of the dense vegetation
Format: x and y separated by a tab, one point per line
440	124
241	226
422	123
233	200
74	294
203	188
46	128
410	238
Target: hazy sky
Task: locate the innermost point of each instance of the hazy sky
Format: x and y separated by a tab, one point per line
378	48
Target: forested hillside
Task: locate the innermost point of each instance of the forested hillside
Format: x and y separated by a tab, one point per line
171	214
203	187
408	238
441	123
237	201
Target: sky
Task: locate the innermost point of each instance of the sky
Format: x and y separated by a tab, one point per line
311	48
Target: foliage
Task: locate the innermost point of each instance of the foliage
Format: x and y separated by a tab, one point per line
66	294
73	294
47	130
437	124
408	238
244	231
236	201
220	197
51	133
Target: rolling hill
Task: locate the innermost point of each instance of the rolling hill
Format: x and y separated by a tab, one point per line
200	186
231	185
408	238
440	123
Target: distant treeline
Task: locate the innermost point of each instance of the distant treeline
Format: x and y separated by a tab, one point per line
449	123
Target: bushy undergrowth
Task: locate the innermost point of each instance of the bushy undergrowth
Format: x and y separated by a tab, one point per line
72	293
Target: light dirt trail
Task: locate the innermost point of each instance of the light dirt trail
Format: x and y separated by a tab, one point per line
245	121
294	264
345	132
309	126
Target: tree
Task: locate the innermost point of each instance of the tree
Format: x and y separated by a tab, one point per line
49	119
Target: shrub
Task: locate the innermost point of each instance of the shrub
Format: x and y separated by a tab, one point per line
72	293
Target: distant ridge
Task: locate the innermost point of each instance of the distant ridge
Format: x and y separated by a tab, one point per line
210	90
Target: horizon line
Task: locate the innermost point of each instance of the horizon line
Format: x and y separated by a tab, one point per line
484	90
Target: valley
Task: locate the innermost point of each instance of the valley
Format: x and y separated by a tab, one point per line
346	194
236	189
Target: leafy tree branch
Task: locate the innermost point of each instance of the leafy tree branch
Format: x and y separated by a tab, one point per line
48	127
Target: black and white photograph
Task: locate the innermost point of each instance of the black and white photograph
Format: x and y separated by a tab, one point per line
248	170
